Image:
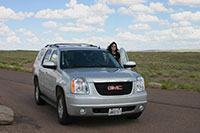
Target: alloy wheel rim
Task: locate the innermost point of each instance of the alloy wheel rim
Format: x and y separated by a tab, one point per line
36	93
60	108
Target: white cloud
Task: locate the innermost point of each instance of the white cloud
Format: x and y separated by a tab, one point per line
141	9
94	14
33	40
135	9
28	36
191	3
7	13
93	20
50	24
58	38
146	18
187	34
159	7
71	27
13	39
47	32
26	32
123	2
140	27
4	29
186	16
162	35
185	23
103	42
131	36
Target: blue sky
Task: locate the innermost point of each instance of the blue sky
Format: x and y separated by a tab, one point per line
133	24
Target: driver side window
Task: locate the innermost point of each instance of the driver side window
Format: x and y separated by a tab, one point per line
54	57
47	56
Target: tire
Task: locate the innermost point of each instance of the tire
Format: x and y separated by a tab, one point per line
134	116
37	94
63	116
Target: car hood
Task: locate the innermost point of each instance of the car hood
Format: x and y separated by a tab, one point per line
103	74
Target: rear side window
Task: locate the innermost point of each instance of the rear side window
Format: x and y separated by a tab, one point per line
47	55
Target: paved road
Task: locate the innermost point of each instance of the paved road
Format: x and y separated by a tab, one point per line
166	112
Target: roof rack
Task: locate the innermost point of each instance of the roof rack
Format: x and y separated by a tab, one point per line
70	44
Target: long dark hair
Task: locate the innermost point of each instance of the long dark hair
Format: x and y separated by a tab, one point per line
109	47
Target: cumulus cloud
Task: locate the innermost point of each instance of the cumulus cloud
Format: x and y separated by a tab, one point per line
139	27
94	14
93	20
50	24
130	36
8	34
144	18
25	32
47	32
185	23
4	29
33	40
141	9
13	39
190	3
159	7
7	14
58	38
122	2
179	33
29	36
186	16
71	27
96	40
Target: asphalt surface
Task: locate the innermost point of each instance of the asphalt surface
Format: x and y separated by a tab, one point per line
166	112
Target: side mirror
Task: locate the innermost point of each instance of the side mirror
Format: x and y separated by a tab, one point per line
50	65
130	64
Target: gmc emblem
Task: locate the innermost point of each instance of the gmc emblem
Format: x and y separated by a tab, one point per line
118	87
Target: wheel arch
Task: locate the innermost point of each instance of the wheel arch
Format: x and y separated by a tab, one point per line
35	78
59	89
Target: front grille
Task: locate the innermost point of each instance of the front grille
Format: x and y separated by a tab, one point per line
105	110
103	88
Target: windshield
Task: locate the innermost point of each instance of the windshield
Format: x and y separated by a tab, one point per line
87	58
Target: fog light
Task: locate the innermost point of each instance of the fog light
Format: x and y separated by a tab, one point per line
141	107
82	111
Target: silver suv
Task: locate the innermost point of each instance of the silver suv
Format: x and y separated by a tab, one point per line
85	80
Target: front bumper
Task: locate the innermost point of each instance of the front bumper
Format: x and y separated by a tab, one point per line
99	105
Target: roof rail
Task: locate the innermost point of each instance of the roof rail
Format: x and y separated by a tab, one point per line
70	44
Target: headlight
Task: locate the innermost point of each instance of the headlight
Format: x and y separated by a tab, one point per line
139	84
79	86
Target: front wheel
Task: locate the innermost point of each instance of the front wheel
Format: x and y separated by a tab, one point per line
37	94
134	116
63	116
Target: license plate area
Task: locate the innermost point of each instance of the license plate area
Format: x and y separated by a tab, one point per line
114	111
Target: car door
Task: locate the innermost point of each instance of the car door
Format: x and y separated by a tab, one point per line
51	76
123	57
42	72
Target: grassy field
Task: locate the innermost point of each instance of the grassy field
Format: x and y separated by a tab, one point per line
172	70
17	60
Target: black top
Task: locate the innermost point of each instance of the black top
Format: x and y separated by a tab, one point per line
116	56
